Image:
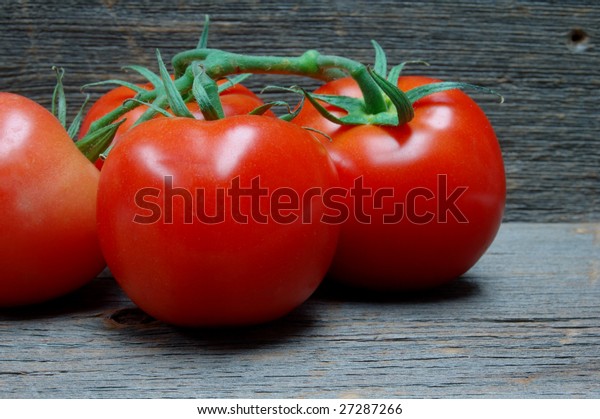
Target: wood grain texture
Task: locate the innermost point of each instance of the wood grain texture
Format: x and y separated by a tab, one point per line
542	56
524	322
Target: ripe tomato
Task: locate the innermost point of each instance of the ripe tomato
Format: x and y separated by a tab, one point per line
197	224
426	199
236	100
48	244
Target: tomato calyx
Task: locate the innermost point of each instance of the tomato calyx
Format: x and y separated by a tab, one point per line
382	102
197	71
59	105
399	109
94	145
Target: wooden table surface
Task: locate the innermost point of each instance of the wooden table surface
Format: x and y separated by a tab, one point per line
524	322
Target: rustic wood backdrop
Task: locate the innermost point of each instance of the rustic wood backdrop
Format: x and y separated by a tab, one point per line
542	56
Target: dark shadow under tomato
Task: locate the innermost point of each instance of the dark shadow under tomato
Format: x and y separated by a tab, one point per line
97	295
460	289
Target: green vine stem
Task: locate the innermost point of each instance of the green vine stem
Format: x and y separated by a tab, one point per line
183	84
218	64
196	71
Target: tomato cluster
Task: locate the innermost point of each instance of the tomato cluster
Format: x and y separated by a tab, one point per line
238	220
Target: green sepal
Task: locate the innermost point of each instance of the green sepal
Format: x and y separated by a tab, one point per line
59	101
176	102
134	87
318	131
354	107
76	124
59	106
292	113
339	101
304	96
188	97
349	104
380	59
203	41
421	91
233	80
321	109
399	99
149	75
95	143
264	108
153	106
395	72
160	102
206	92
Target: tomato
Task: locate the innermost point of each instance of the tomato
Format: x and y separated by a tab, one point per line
426	199
236	100
49	244
205	223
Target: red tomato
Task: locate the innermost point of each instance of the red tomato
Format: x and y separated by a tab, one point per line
426	199
48	244
195	221
236	100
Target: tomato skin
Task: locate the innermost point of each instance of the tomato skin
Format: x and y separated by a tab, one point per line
236	100
49	244
212	274
449	146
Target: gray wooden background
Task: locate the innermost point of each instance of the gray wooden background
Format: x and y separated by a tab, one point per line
542	56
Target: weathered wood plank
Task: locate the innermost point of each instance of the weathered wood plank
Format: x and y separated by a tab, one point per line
524	322
542	56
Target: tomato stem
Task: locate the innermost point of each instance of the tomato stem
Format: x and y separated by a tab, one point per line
183	84
218	64
197	70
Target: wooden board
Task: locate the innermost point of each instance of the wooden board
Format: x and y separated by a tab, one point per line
524	322
542	56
